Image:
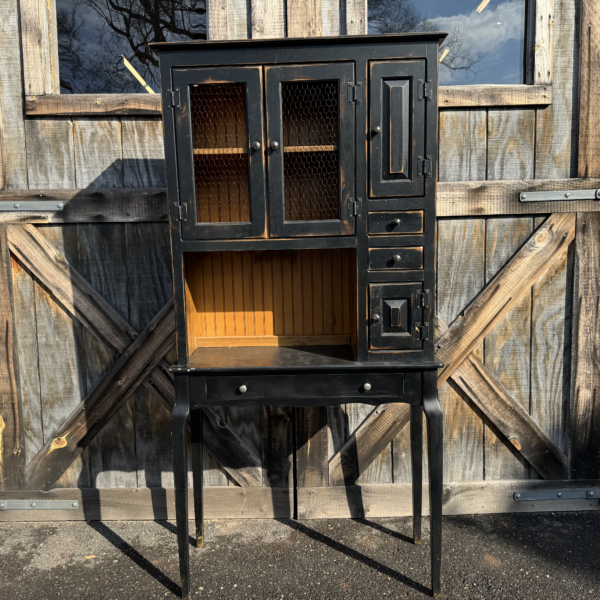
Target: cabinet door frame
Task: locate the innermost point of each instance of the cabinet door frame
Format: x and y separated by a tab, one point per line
343	73
382	184
251	77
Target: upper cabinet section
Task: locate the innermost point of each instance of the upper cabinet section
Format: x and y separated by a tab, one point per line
398	92
310	129
220	149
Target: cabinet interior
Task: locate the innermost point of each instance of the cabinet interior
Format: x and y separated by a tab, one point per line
271	298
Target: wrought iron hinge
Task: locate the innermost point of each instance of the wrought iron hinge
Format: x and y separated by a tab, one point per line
180	211
354	92
173	98
355	207
425	90
424	166
422	331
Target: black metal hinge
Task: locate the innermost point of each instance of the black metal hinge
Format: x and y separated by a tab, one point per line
423	299
173	98
355	207
354	92
180	211
424	166
425	89
422	331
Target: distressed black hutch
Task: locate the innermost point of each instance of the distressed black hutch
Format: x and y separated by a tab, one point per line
301	181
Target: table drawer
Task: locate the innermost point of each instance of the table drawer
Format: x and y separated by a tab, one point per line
395	223
333	388
395	258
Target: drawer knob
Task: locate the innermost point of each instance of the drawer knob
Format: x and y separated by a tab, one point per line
377	129
367	387
256	145
376	318
397	258
396	222
242	389
274	145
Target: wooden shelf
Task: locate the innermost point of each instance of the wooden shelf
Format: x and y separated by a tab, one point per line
213	151
310	148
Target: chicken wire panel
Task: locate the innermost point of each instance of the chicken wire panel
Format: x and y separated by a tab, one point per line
309	112
220	141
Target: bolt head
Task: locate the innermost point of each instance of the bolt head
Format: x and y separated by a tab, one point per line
33	504
16	205
367	387
75	504
523	196
59	205
559	494
567	195
1	504
518	496
591	494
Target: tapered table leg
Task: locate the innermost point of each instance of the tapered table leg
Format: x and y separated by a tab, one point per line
416	457
179	418
435	443
197	468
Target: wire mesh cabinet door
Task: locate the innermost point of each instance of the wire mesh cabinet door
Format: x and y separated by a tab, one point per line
310	132
398	94
220	148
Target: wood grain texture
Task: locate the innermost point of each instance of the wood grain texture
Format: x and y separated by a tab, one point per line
584	426
556	125
49	153
367	442
330	17
304	18
511	141
507	346
460	276
12	440
480	198
88	418
32	13
217	19
107	205
504	291
544	41
238	19
277	446
268	19
12	134
93	104
460	96
356	17
462	147
589	79
143	153
507	415
312	468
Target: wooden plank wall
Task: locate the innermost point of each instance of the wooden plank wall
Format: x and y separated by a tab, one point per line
129	265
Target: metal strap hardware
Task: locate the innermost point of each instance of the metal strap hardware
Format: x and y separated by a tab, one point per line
354	92
424	299
354	207
31	206
180	211
562	195
424	166
580	494
39	504
173	98
425	90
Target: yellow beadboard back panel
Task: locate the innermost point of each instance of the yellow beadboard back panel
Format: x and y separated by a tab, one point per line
270	298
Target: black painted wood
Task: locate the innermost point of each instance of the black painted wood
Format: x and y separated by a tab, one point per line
395	223
395	258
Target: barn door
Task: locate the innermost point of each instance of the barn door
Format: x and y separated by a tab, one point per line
310	130
220	152
397	96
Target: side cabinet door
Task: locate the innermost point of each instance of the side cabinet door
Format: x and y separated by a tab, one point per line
220	152
310	131
397	136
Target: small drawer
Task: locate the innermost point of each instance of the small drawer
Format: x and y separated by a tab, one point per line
359	387
395	223
395	258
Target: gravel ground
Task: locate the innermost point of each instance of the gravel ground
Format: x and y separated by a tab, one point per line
549	556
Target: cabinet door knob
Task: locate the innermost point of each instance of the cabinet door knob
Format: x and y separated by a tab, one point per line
274	145
367	387
396	222
377	129
397	258
376	318
242	389
256	145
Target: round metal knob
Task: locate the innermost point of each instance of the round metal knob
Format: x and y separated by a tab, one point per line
396	222
397	258
256	145
274	145
242	389
367	387
377	129
376	318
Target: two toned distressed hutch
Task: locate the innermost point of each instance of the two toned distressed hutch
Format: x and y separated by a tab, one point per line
301	182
